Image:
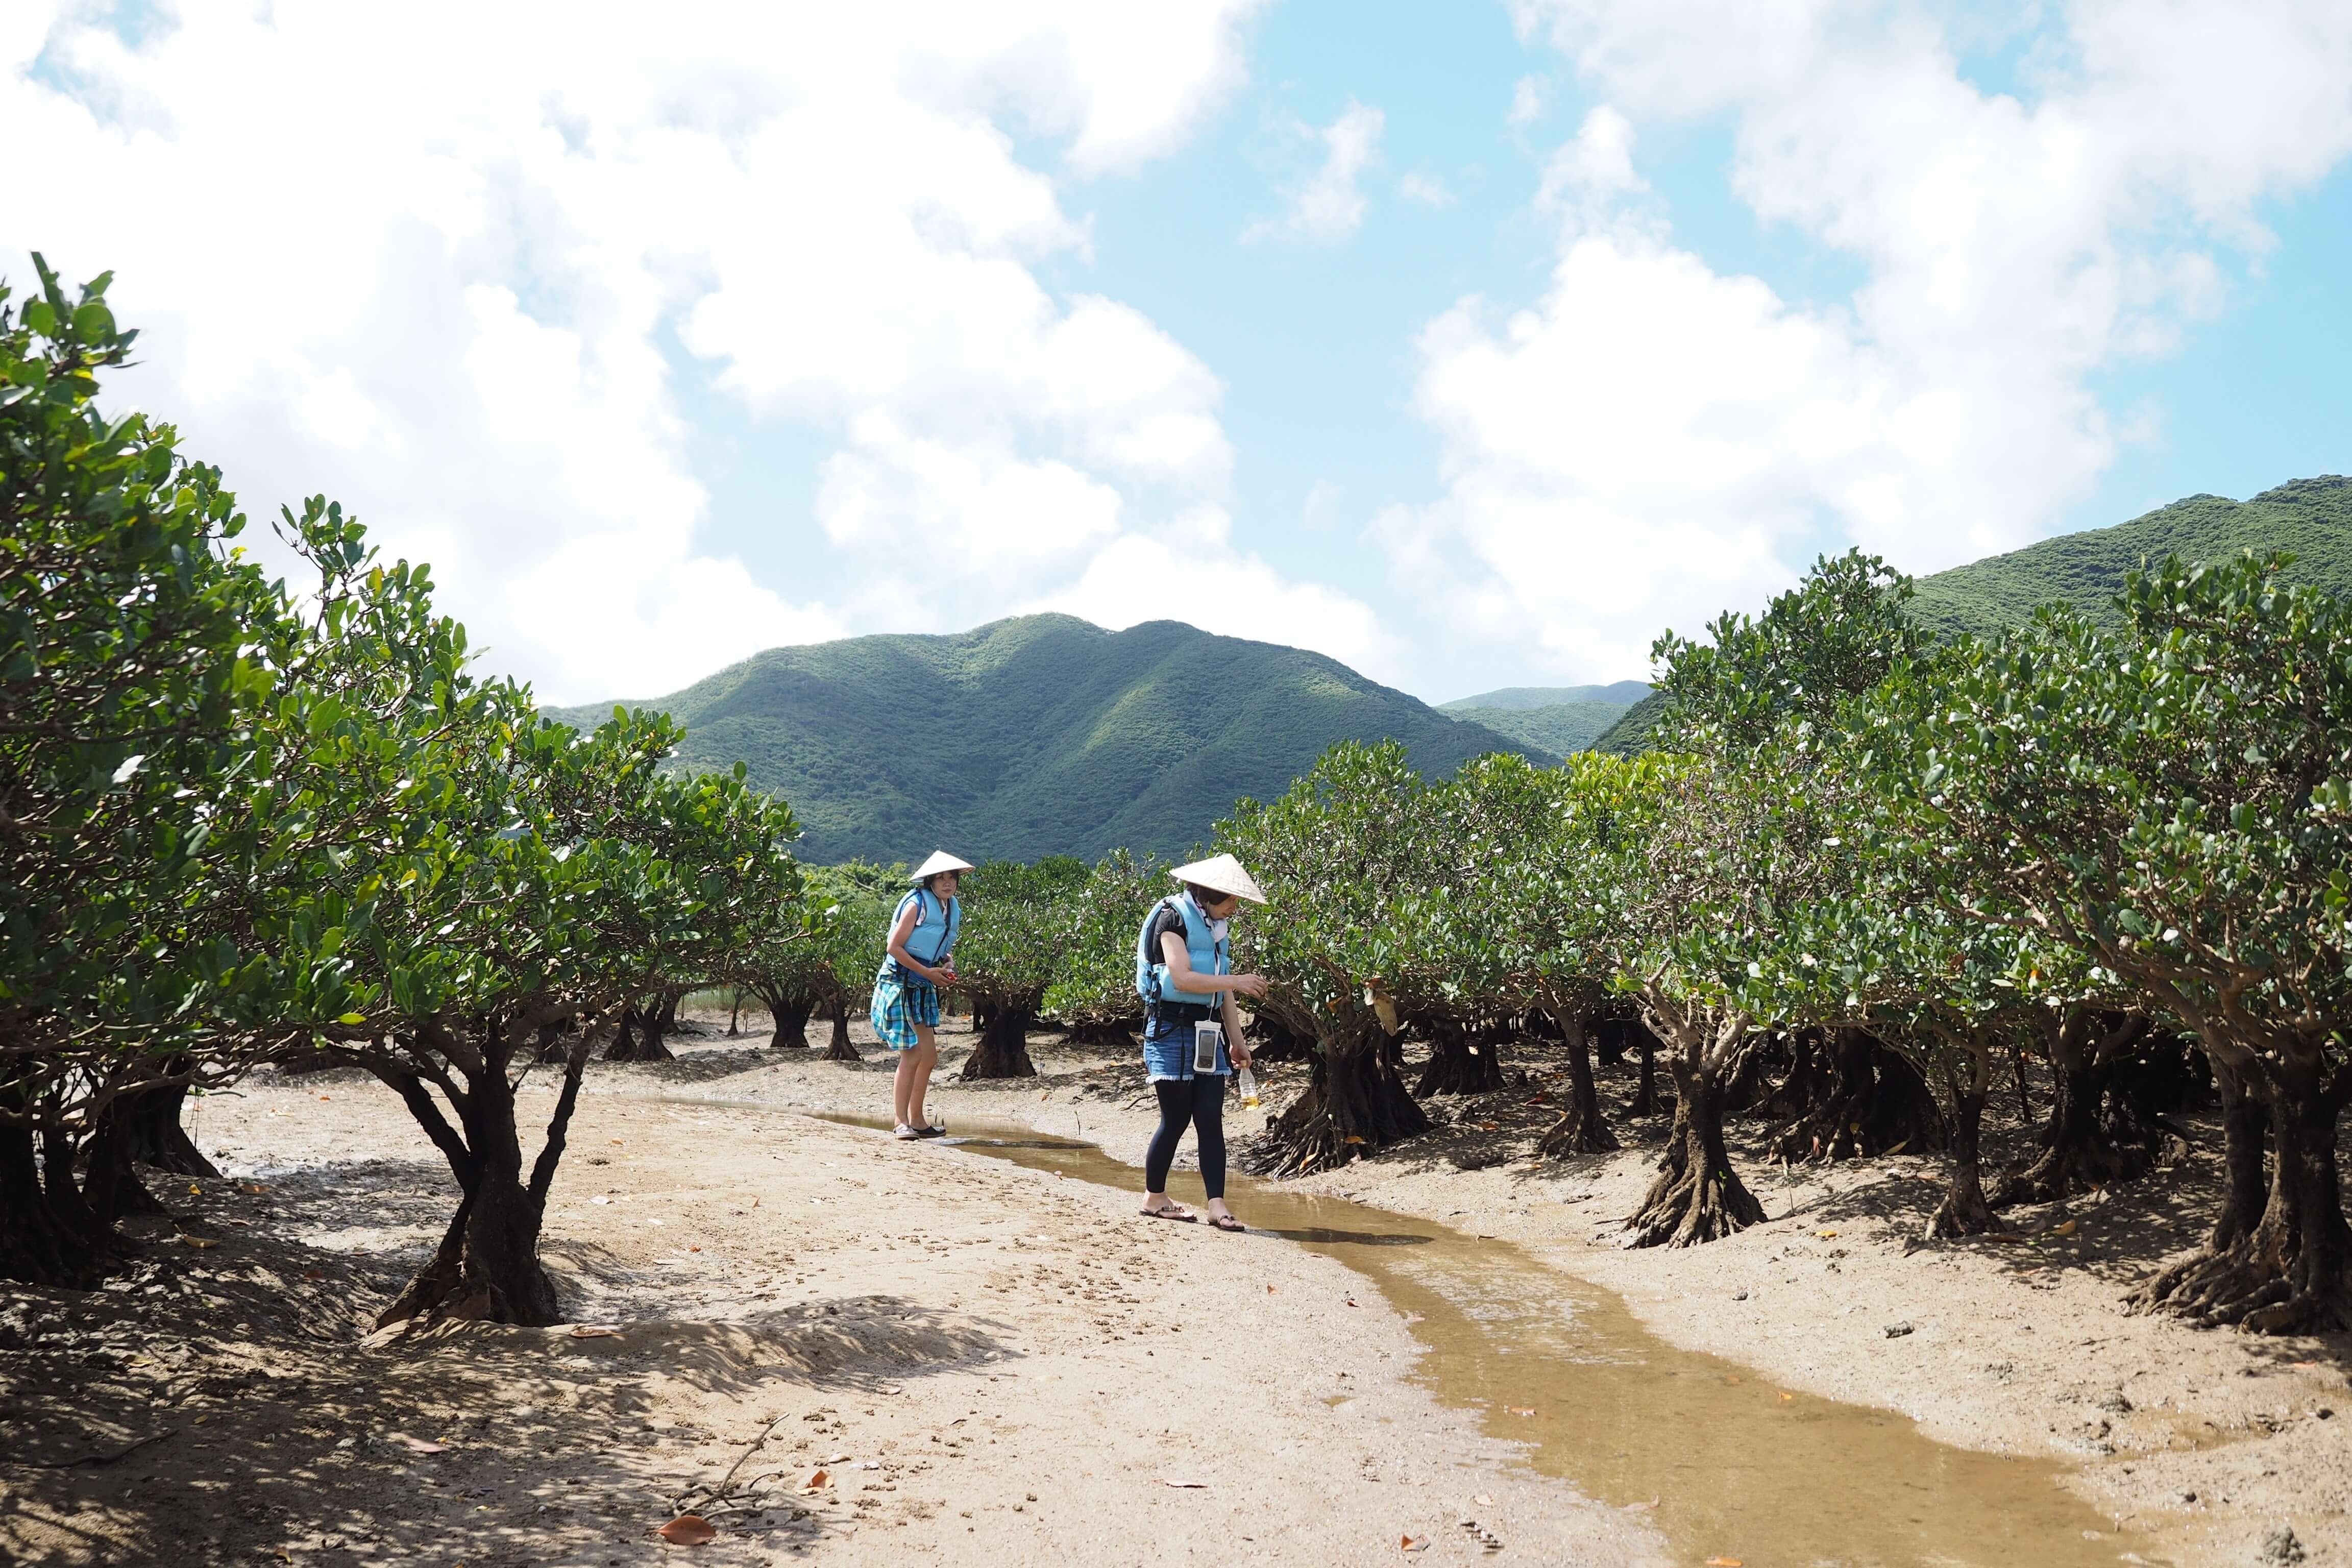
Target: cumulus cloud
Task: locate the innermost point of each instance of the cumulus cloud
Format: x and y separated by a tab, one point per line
1329	207
1653	440
1426	189
1526	100
452	286
1190	571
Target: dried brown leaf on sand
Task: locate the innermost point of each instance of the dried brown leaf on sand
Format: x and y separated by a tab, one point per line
818	1481
595	1331
1413	1543
687	1530
418	1445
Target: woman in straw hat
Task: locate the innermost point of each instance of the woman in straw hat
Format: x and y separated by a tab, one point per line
1183	966
904	1010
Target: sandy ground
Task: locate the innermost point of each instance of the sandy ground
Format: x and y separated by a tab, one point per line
1009	1367
920	1354
2207	1442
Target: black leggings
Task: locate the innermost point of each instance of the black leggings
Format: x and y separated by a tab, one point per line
1201	1101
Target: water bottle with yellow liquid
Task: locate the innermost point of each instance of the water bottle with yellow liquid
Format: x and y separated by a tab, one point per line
1249	1088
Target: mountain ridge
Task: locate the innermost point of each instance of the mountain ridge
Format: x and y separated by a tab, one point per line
1037	734
2310	518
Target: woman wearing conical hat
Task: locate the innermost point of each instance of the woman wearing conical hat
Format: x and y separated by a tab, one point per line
1192	1035
904	1010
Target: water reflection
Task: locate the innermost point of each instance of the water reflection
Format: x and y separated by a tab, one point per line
1721	1460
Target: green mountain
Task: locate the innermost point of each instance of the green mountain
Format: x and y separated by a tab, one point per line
1038	735
1561	727
1618	693
2311	519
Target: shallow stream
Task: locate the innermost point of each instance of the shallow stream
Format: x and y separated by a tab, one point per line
1723	1463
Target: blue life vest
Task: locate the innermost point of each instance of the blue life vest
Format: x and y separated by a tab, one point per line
1210	955
934	935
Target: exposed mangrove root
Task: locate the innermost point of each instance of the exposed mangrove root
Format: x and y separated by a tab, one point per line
1002	1048
1461	1061
1697	1196
840	1048
1581	1129
2291	1271
1964	1211
1877	1104
1355	1104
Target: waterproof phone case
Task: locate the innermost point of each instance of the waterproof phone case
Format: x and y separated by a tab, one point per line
1206	1038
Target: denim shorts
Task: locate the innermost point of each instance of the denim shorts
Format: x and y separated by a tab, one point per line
1168	1053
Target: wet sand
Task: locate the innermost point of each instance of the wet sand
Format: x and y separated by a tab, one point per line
2206	1443
979	1333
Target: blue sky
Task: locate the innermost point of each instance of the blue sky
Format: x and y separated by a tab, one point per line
1470	344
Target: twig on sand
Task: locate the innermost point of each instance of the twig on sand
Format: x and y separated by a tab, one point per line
106	1458
685	1503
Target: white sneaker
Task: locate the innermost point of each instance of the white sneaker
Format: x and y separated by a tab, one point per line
906	1132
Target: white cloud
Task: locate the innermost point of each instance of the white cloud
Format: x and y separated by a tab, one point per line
1527	100
435	281
1329	207
1427	189
1189	570
1654	439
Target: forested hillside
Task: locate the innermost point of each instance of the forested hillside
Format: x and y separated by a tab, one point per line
2311	519
1037	736
1561	727
1561	719
1618	693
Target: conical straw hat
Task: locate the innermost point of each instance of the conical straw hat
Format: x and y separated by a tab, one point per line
940	860
1222	873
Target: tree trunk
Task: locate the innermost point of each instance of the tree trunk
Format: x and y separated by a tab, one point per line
840	1048
792	1014
39	1245
1270	1042
1878	1104
2079	1150
1355	1104
1645	1102
150	1120
735	1017
1964	1211
2293	1272
1580	1129
111	1185
1460	1062
1002	1048
1809	1082
1112	1034
488	1266
1697	1198
639	1037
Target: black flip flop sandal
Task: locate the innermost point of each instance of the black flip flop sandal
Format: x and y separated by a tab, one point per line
1226	1221
1176	1212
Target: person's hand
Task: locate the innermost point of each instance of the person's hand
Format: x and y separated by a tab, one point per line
1250	985
1240	1052
944	974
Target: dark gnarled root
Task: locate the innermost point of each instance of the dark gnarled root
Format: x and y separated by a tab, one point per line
1580	1131
1691	1205
2242	1287
1359	1109
1961	1213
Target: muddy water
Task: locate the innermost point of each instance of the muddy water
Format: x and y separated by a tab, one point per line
1723	1463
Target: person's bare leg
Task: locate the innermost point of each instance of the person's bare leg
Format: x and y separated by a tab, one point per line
925	1055
902	1088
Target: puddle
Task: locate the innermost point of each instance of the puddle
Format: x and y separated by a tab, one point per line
1738	1468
